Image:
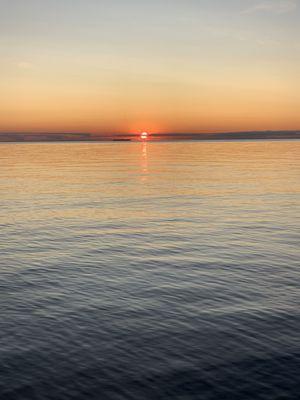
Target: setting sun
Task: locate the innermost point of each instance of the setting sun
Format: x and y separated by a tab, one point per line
144	135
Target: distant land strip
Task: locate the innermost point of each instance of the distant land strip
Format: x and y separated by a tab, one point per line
93	137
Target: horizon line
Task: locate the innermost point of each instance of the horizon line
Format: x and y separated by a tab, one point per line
150	134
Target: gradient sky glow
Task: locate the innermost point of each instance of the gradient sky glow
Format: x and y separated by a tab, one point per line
159	65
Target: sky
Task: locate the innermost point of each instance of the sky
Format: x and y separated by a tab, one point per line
114	66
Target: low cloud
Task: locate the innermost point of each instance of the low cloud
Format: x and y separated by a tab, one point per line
275	7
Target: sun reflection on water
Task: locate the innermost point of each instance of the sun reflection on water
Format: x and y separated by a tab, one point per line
144	162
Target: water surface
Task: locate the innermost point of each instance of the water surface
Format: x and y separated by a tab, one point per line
150	271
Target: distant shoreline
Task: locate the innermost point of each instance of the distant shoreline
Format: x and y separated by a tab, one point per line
90	138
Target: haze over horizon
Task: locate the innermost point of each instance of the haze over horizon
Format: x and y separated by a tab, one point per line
160	66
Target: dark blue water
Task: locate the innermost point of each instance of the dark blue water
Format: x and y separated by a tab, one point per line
150	271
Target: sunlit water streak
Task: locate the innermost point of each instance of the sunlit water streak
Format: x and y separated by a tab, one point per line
150	271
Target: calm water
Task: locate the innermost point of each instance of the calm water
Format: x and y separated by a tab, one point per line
164	271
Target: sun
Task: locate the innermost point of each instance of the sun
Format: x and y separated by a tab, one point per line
144	135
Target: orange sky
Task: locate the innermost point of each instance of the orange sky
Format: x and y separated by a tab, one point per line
127	66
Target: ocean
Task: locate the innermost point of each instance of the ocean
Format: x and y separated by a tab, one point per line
150	271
